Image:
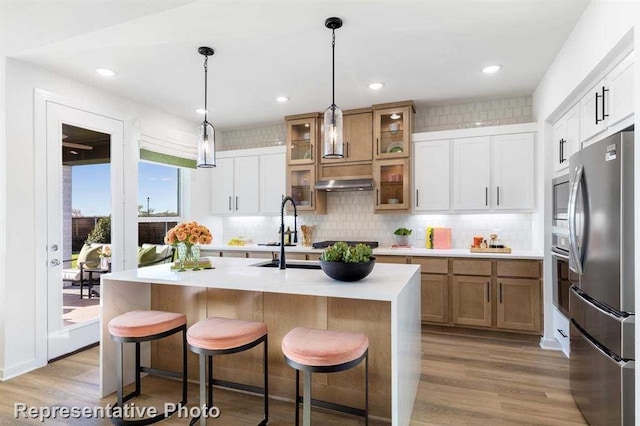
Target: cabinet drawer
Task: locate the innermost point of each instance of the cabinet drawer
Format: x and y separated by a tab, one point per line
431	265
518	268
210	253
471	267
391	259
260	255
234	254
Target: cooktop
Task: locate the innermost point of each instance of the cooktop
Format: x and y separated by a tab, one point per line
325	244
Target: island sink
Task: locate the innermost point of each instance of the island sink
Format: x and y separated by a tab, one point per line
275	264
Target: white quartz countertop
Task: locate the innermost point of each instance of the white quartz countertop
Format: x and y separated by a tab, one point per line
515	254
385	282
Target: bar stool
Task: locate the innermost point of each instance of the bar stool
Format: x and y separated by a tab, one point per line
143	326
220	336
325	351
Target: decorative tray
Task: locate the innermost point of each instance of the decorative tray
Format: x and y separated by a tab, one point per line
490	250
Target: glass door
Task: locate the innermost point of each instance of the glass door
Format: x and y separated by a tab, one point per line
301	141
392	184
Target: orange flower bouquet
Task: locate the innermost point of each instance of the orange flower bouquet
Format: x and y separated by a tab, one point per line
187	237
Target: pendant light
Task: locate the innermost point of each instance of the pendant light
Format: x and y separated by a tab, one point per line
333	146
206	132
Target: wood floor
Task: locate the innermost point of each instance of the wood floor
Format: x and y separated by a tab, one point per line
466	380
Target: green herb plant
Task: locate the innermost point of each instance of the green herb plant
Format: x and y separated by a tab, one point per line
341	252
402	231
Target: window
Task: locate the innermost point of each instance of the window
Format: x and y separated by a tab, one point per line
158	201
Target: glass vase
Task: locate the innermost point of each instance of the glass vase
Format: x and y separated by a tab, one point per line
183	249
195	256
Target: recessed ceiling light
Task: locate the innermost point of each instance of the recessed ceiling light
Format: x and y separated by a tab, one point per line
491	69
201	111
282	99
478	123
376	86
105	72
395	116
73	152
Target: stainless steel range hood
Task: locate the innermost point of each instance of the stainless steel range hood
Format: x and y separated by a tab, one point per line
345	185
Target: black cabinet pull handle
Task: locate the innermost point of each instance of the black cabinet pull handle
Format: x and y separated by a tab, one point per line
486	195
377	197
311	198
236	203
487	286
417	199
498	194
229	202
562	143
604	110
311	156
560	152
562	333
597	119
377	146
347	149
500	293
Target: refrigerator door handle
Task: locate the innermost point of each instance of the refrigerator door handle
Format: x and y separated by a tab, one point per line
575	262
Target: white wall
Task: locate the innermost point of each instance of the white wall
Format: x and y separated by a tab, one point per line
3	278
20	289
602	25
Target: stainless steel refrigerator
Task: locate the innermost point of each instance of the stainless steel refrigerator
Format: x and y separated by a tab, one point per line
601	240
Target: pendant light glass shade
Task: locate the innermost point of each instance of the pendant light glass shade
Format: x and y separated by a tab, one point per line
333	146
206	146
206	132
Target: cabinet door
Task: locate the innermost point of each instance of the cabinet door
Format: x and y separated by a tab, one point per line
572	118
431	175
273	176
471	168
471	301
358	139
392	132
513	171
301	187
222	187
246	180
301	140
619	104
435	298
518	304
391	180
591	123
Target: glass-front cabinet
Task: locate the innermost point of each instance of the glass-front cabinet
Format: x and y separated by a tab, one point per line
301	182
391	179
392	131
302	139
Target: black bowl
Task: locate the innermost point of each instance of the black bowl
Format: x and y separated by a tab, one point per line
342	271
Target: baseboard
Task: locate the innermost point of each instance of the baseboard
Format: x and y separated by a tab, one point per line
550	344
18	370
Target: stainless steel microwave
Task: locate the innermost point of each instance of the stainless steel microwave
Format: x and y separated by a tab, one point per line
560	195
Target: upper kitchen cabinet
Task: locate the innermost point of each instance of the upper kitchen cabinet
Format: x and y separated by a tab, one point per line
566	139
358	137
431	171
301	187
235	186
303	135
391	185
471	173
494	172
392	128
512	171
248	182
609	101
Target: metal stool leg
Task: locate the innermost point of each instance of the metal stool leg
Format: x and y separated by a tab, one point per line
366	389
138	370
119	372
184	366
203	388
306	411
266	381
297	397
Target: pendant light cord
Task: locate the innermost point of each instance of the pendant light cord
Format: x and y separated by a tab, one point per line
333	76
206	67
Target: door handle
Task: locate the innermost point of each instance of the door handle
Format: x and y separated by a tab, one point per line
500	293
486	195
487	290
55	262
574	251
311	156
236	203
417	199
377	146
597	119
604	110
229	202
377	197
498	194
347	146
562	333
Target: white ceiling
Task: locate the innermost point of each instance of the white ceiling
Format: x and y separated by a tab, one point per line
430	51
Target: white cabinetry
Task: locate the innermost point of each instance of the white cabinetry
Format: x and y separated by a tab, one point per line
609	101
272	182
235	186
512	171
432	175
248	182
471	173
561	331
494	172
566	139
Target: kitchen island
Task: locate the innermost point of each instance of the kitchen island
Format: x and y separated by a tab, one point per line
385	306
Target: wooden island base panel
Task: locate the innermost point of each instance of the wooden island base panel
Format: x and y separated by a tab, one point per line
385	306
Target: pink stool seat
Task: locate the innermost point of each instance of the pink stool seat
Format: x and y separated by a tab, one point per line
145	323
314	347
224	333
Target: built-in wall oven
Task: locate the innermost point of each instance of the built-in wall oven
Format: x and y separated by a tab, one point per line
563	276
